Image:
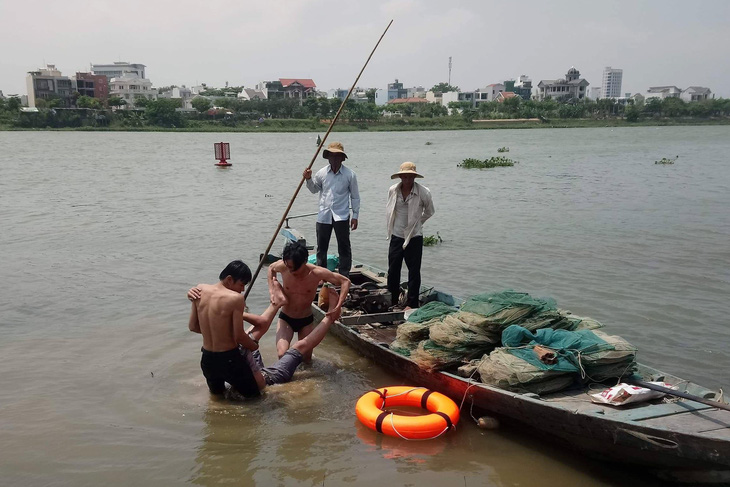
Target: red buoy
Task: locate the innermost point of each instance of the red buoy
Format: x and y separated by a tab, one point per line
222	153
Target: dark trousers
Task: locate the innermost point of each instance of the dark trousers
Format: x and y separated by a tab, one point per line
412	255
342	232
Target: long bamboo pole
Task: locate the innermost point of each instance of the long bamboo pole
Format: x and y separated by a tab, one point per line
311	163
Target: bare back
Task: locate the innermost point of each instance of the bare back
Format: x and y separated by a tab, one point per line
217	309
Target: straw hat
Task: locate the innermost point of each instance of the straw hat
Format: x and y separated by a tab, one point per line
405	169
334	148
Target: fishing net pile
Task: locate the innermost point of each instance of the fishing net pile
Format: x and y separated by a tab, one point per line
503	329
550	360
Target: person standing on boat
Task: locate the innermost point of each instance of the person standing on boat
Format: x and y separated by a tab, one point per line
409	206
338	192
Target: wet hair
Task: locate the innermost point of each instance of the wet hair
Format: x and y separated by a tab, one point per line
295	252
238	271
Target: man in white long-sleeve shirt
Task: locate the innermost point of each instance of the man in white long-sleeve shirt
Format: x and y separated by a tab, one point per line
409	206
338	192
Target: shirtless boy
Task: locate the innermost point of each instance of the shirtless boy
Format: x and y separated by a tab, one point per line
229	353
300	281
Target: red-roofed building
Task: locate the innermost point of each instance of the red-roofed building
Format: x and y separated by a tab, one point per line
505	95
300	88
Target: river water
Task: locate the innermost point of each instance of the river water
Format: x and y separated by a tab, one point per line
102	234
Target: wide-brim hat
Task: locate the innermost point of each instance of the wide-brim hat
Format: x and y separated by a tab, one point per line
334	148
405	169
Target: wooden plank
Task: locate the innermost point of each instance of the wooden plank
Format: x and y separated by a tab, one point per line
708	423
649	411
372	318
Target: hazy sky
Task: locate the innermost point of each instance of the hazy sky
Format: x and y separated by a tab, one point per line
655	42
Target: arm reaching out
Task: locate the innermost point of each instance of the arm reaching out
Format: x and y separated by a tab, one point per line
338	280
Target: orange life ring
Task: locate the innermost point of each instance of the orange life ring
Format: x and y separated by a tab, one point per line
444	413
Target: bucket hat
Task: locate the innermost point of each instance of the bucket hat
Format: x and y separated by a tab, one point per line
405	169
334	148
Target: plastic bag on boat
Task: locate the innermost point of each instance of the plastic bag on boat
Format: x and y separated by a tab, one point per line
621	394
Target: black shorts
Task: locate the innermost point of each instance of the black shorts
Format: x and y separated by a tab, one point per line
296	323
229	366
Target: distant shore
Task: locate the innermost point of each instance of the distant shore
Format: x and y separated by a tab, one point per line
397	125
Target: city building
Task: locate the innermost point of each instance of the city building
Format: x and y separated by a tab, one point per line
571	87
696	93
92	85
458	96
381	97
416	92
594	92
396	90
522	87
48	83
118	69
611	82
129	87
271	89
662	92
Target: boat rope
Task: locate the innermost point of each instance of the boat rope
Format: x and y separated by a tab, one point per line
472	383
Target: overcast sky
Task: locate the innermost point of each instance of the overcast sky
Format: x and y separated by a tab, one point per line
655	42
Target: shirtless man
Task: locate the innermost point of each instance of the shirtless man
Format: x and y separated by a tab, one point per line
300	281
229	353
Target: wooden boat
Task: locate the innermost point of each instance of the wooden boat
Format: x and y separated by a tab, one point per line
677	440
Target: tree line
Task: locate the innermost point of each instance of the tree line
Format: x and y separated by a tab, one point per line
164	112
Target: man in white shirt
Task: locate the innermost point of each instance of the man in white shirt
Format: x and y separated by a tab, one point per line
409	206
338	191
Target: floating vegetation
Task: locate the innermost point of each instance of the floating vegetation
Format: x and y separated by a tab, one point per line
429	143
503	149
665	160
432	240
498	161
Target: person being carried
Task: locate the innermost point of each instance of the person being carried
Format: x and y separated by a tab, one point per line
338	191
300	281
409	206
229	353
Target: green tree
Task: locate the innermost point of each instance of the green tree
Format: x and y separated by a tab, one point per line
88	102
371	95
201	104
444	88
116	101
163	112
13	104
141	101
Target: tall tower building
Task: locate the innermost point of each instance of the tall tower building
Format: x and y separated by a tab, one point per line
611	85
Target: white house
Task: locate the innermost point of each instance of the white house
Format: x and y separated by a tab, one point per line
573	86
696	93
129	87
662	92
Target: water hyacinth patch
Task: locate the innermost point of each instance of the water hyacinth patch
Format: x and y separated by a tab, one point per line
498	161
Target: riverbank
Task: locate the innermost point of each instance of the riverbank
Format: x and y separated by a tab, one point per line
396	125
